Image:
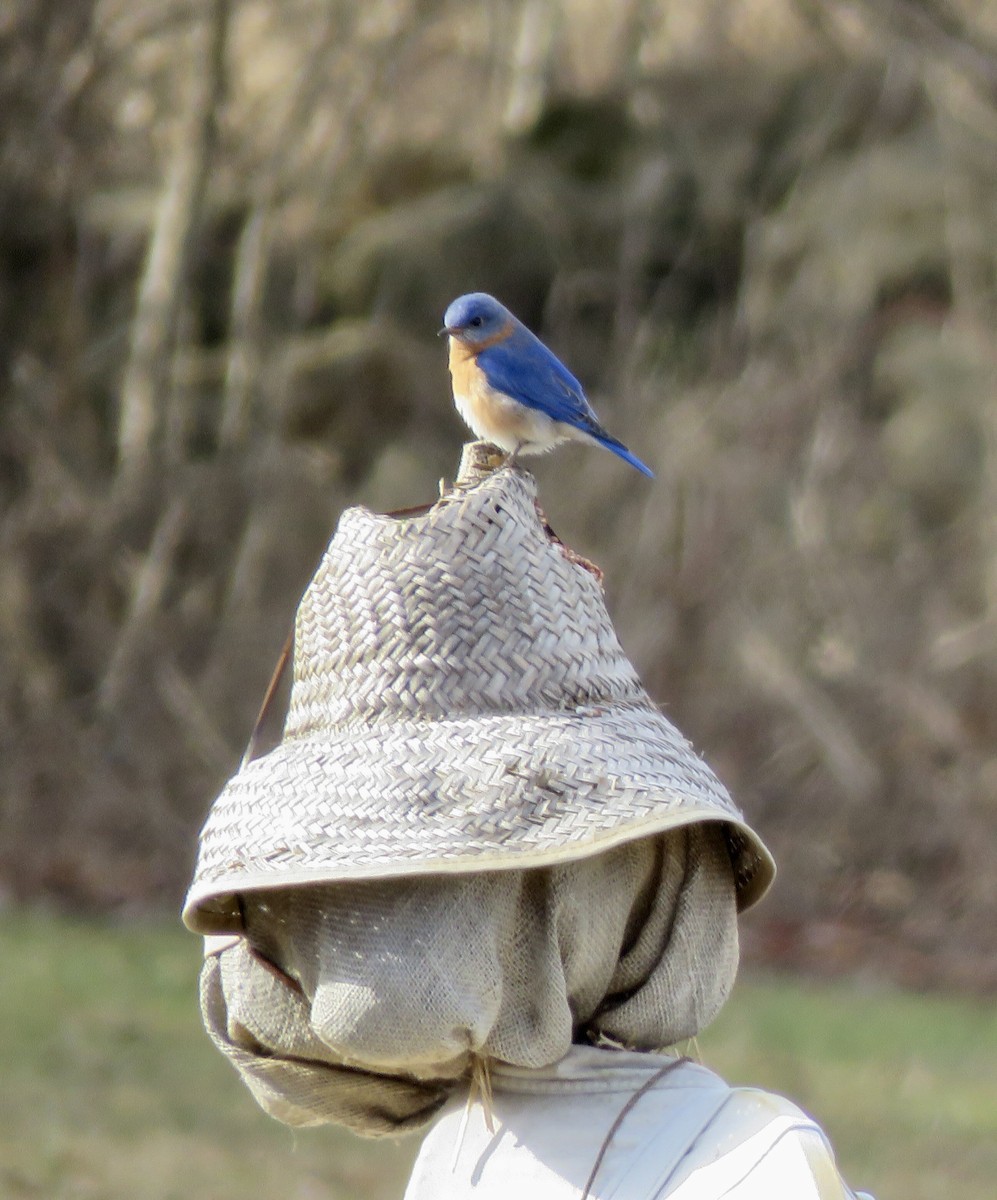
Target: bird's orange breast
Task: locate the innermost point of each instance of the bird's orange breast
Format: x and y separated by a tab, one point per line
464	369
495	417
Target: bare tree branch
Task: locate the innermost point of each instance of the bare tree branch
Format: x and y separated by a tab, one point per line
150	583
252	258
145	384
777	677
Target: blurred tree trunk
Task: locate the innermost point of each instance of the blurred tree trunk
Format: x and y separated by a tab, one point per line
532	62
145	387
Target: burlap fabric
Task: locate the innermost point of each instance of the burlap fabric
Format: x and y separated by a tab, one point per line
478	839
388	990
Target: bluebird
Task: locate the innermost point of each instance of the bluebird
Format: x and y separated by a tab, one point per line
511	390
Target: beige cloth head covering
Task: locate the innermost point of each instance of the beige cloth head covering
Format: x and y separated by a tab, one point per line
389	990
478	839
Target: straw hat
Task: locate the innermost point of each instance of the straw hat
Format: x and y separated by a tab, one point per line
460	703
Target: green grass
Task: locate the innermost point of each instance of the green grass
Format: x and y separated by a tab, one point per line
110	1089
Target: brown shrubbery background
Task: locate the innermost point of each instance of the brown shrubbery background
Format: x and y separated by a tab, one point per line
763	234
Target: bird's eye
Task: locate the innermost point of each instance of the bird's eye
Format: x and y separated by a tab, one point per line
476	322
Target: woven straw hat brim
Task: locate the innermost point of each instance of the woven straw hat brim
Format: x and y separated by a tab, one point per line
474	793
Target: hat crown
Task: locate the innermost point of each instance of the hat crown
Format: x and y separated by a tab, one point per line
460	703
471	610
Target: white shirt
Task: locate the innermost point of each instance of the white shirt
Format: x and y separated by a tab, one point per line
690	1137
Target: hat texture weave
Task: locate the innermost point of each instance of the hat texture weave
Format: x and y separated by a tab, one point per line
460	703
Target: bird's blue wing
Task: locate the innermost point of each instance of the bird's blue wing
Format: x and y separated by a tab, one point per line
522	367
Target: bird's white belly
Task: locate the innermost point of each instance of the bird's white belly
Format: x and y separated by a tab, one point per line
504	422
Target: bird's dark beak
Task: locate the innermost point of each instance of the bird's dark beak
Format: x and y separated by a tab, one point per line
446	329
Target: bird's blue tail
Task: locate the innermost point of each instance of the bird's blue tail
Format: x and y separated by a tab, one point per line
618	447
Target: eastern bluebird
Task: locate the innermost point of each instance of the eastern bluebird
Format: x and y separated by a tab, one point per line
511	390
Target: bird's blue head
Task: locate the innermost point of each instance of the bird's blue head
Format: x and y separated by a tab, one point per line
477	319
